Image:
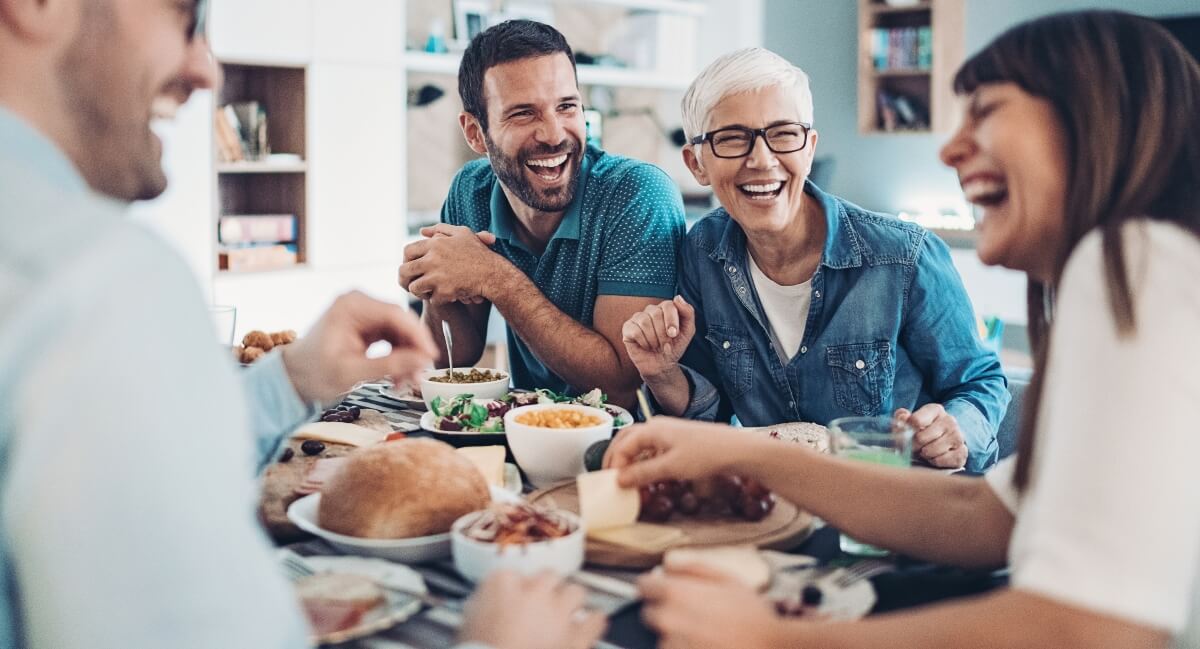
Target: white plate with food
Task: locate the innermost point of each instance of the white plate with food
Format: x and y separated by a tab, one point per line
417	549
345	598
460	416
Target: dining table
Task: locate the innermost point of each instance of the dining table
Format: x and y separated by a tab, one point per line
898	582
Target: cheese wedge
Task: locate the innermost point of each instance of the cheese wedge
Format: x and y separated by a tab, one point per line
741	563
642	537
489	460
339	433
603	504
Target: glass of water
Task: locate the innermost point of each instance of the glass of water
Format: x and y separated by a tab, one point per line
225	321
880	440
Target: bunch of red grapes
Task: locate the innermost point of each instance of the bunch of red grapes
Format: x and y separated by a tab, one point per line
722	496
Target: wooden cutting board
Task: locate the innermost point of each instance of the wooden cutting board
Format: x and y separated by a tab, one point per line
784	528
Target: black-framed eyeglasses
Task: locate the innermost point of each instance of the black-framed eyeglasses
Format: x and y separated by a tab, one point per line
199	21
738	141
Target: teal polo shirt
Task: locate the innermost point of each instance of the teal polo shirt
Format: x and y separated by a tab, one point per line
619	236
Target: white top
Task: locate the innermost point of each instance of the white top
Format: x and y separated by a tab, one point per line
1111	519
127	453
786	308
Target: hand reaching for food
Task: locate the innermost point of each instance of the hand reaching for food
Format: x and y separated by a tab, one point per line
697	607
511	611
332	358
657	336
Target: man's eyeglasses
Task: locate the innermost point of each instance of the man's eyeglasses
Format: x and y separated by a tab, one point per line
738	141
199	21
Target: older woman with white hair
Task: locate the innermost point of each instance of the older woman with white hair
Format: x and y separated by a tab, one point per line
807	306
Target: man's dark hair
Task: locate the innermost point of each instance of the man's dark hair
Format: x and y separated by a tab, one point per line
511	40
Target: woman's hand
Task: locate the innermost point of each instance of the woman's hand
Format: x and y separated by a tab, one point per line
682	450
696	608
657	336
511	611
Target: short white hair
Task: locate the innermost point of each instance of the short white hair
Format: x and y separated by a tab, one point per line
741	71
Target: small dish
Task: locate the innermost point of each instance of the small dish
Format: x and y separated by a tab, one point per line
487	390
549	455
475	559
396	607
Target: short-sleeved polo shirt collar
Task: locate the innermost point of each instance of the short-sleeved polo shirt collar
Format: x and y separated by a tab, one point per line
503	216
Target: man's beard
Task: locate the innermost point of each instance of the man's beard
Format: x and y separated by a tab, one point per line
511	172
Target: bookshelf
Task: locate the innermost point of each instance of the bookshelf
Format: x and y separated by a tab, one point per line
265	186
908	53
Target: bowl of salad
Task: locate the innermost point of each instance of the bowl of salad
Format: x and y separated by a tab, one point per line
467	414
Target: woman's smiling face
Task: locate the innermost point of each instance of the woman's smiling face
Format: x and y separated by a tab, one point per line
1010	154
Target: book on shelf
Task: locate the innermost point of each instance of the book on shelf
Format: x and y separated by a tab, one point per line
902	48
256	228
242	131
257	257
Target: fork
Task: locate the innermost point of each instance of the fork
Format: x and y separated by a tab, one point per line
863	570
295	567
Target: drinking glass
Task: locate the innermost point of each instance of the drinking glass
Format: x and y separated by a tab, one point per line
880	440
225	321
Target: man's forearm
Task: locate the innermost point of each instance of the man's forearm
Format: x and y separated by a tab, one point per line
925	514
582	357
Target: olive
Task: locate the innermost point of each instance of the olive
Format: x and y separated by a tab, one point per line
811	595
312	447
287	454
355	411
593	457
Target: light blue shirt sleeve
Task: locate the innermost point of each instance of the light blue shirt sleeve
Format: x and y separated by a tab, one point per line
275	408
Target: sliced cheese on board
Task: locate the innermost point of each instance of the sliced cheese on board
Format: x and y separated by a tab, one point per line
339	433
643	537
489	460
603	504
742	563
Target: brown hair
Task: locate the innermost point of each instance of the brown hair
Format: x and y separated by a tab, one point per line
1128	96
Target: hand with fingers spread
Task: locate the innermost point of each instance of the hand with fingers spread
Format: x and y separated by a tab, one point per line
657	336
511	611
697	608
682	450
453	264
331	358
937	438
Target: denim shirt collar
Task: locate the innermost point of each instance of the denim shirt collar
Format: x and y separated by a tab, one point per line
843	246
568	228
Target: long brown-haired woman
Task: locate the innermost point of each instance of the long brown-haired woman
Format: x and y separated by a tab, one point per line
1081	145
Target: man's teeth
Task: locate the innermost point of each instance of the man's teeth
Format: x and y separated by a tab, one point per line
164	108
762	189
548	162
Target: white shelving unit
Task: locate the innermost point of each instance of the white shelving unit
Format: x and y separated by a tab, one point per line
589	75
687	7
262	167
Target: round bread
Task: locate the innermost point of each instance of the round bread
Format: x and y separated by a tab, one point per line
398	490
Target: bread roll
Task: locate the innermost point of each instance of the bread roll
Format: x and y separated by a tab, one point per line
413	487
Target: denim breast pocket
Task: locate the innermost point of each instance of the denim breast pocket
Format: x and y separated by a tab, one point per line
733	354
862	375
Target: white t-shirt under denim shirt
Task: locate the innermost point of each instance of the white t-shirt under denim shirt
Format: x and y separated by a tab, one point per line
1110	521
786	308
127	452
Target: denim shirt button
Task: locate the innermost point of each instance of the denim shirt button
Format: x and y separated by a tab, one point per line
804	349
859	364
791	404
725	345
816	294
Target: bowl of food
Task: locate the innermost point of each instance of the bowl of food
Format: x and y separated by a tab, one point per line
481	382
548	440
517	536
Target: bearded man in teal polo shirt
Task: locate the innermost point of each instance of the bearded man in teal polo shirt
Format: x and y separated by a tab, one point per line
565	240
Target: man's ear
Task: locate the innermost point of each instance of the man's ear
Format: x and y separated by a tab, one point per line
695	165
41	20
472	131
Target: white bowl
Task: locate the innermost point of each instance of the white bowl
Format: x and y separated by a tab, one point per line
416	549
549	455
475	559
489	390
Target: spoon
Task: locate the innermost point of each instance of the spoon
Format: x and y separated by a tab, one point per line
449	347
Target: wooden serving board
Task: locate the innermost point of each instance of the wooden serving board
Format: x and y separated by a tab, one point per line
784	528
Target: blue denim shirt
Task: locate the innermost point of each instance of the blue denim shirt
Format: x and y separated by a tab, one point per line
890	326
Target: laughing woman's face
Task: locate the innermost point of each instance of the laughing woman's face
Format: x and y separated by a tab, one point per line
1010	155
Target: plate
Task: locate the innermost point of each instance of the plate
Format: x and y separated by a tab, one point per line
416	549
842	597
784	528
396	607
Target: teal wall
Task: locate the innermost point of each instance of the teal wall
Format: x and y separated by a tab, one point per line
894	172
